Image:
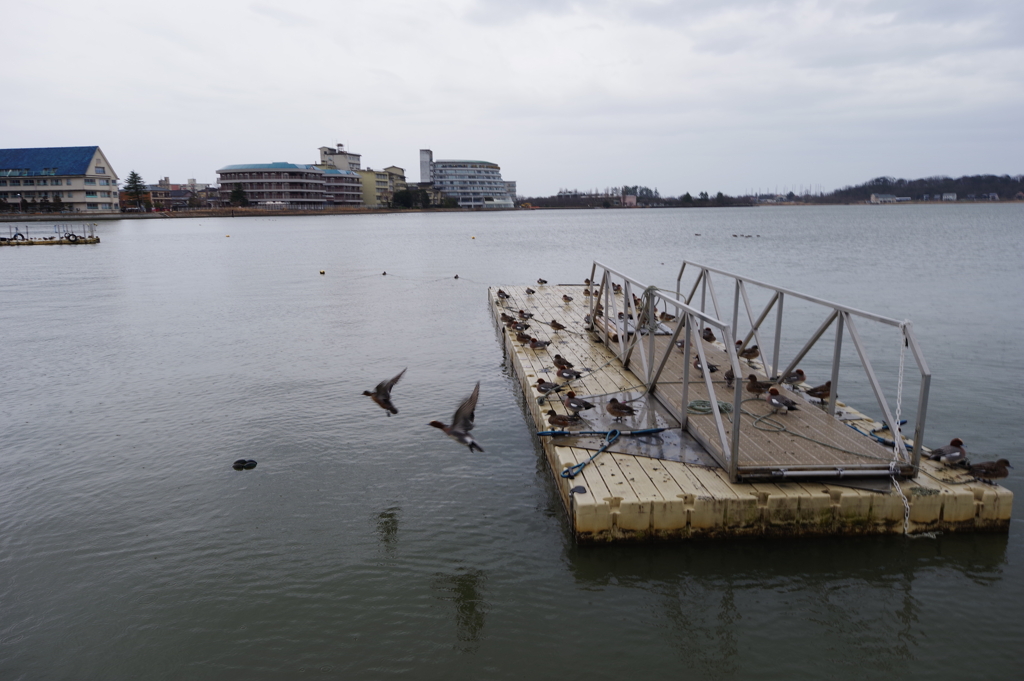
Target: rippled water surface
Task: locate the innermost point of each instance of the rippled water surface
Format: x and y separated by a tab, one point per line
134	372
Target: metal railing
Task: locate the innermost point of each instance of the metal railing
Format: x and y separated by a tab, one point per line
629	326
635	333
840	315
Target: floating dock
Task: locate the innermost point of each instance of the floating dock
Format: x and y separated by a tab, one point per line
825	469
63	234
50	241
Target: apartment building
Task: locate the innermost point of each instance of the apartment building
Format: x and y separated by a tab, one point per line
79	179
379	186
474	184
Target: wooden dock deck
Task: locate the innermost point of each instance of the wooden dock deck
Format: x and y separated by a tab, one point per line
667	486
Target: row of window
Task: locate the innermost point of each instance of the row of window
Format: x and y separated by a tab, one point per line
100	206
46	195
269	176
32	195
53	183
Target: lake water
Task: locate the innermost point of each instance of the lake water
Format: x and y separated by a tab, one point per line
366	547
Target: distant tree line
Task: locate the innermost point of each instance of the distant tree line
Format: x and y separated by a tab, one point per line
1006	186
612	197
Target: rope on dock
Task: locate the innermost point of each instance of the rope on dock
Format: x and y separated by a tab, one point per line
609	439
704	407
765	423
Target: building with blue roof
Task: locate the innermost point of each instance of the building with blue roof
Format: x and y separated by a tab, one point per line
80	179
292	185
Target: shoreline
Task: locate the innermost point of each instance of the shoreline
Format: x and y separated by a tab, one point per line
256	212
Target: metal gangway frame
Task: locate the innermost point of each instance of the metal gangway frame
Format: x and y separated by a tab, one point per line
633	337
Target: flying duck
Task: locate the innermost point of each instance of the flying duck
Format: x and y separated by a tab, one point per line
382	394
462	421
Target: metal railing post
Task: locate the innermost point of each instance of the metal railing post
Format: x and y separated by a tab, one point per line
837	352
778	338
686	369
735	312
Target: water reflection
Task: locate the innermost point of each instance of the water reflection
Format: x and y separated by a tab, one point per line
853	599
464	590
387	527
874	560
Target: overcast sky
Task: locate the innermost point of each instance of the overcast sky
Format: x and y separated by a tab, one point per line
705	95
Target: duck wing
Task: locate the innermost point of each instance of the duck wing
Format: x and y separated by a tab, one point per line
463	418
384	387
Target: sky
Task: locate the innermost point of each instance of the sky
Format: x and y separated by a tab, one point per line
701	95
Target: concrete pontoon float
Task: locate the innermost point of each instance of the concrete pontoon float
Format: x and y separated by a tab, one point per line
71	234
685	465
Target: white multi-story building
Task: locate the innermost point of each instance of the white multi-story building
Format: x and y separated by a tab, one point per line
80	177
474	184
339	158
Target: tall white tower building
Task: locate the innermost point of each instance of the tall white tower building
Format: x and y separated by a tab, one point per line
474	184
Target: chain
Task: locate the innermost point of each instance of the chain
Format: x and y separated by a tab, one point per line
897	435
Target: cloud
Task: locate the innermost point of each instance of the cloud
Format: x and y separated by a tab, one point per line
282	16
730	93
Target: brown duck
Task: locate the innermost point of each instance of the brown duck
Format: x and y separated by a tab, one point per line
753	352
991	470
757	387
618	409
382	394
822	392
563	420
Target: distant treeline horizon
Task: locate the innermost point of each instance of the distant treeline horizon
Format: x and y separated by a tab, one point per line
968	187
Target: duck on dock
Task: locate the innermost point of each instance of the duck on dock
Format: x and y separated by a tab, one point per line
757	387
575	404
562	362
951	454
545	387
708	335
751	353
822	392
619	410
777	401
793	378
991	470
563	421
556	326
712	368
